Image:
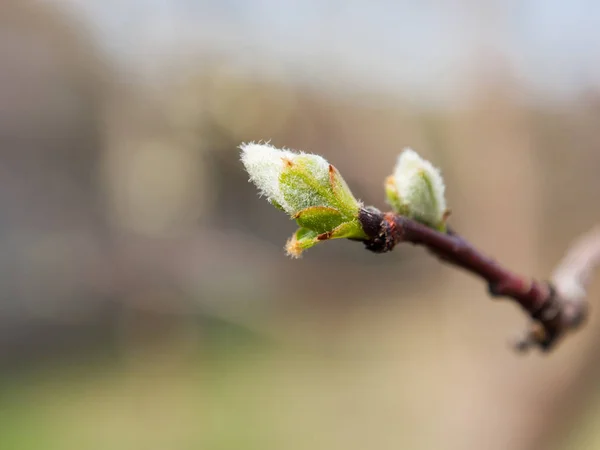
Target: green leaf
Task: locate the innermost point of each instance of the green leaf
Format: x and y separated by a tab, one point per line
430	219
349	230
416	190
307	188
424	205
347	203
319	218
301	240
301	189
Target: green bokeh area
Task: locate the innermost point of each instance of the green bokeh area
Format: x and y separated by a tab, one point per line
152	398
227	390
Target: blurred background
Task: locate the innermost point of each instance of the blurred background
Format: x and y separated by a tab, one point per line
146	301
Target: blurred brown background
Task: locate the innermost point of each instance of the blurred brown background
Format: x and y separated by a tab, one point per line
146	301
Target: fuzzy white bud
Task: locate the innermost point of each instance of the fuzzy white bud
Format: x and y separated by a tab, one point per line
265	163
309	189
417	189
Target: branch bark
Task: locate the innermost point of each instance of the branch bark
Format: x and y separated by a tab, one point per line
554	307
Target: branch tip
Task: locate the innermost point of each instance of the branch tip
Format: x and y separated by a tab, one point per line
553	314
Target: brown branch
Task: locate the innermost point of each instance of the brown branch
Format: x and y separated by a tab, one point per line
555	308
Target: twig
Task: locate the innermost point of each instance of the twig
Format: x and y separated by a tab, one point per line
555	308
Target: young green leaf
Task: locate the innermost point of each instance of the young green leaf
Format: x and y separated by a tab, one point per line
308	189
416	190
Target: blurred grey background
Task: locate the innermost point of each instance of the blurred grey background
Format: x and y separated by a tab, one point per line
146	301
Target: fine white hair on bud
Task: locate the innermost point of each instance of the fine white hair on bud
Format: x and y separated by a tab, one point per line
309	189
265	163
417	189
